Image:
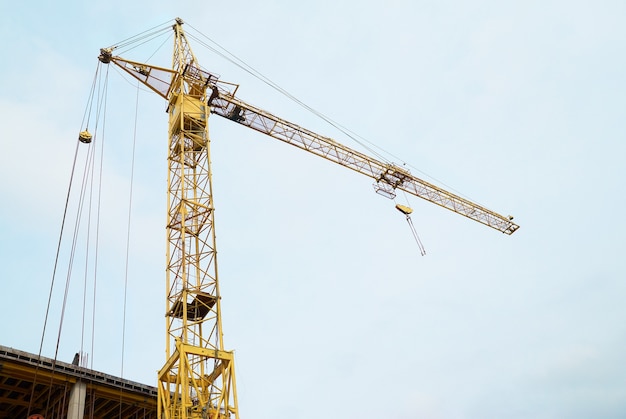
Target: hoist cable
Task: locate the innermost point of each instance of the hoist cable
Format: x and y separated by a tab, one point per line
88	108
415	235
102	108
95	142
98	140
91	176
60	241
86	267
77	223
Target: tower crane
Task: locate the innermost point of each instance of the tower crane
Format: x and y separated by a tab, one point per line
197	379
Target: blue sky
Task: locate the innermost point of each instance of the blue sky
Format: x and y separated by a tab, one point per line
327	303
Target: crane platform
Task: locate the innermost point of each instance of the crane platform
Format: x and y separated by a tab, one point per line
25	377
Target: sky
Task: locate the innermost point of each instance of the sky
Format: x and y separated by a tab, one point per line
327	303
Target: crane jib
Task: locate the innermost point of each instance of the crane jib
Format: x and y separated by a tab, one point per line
389	177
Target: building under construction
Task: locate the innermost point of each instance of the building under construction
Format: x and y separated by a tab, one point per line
31	385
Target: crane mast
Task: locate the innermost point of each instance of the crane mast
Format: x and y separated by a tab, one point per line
198	377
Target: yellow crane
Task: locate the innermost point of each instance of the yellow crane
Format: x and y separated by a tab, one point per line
198	377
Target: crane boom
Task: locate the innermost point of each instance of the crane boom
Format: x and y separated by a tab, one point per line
388	176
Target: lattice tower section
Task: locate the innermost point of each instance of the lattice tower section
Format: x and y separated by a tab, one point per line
198	379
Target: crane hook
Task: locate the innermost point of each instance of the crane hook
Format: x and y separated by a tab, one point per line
84	137
407	212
